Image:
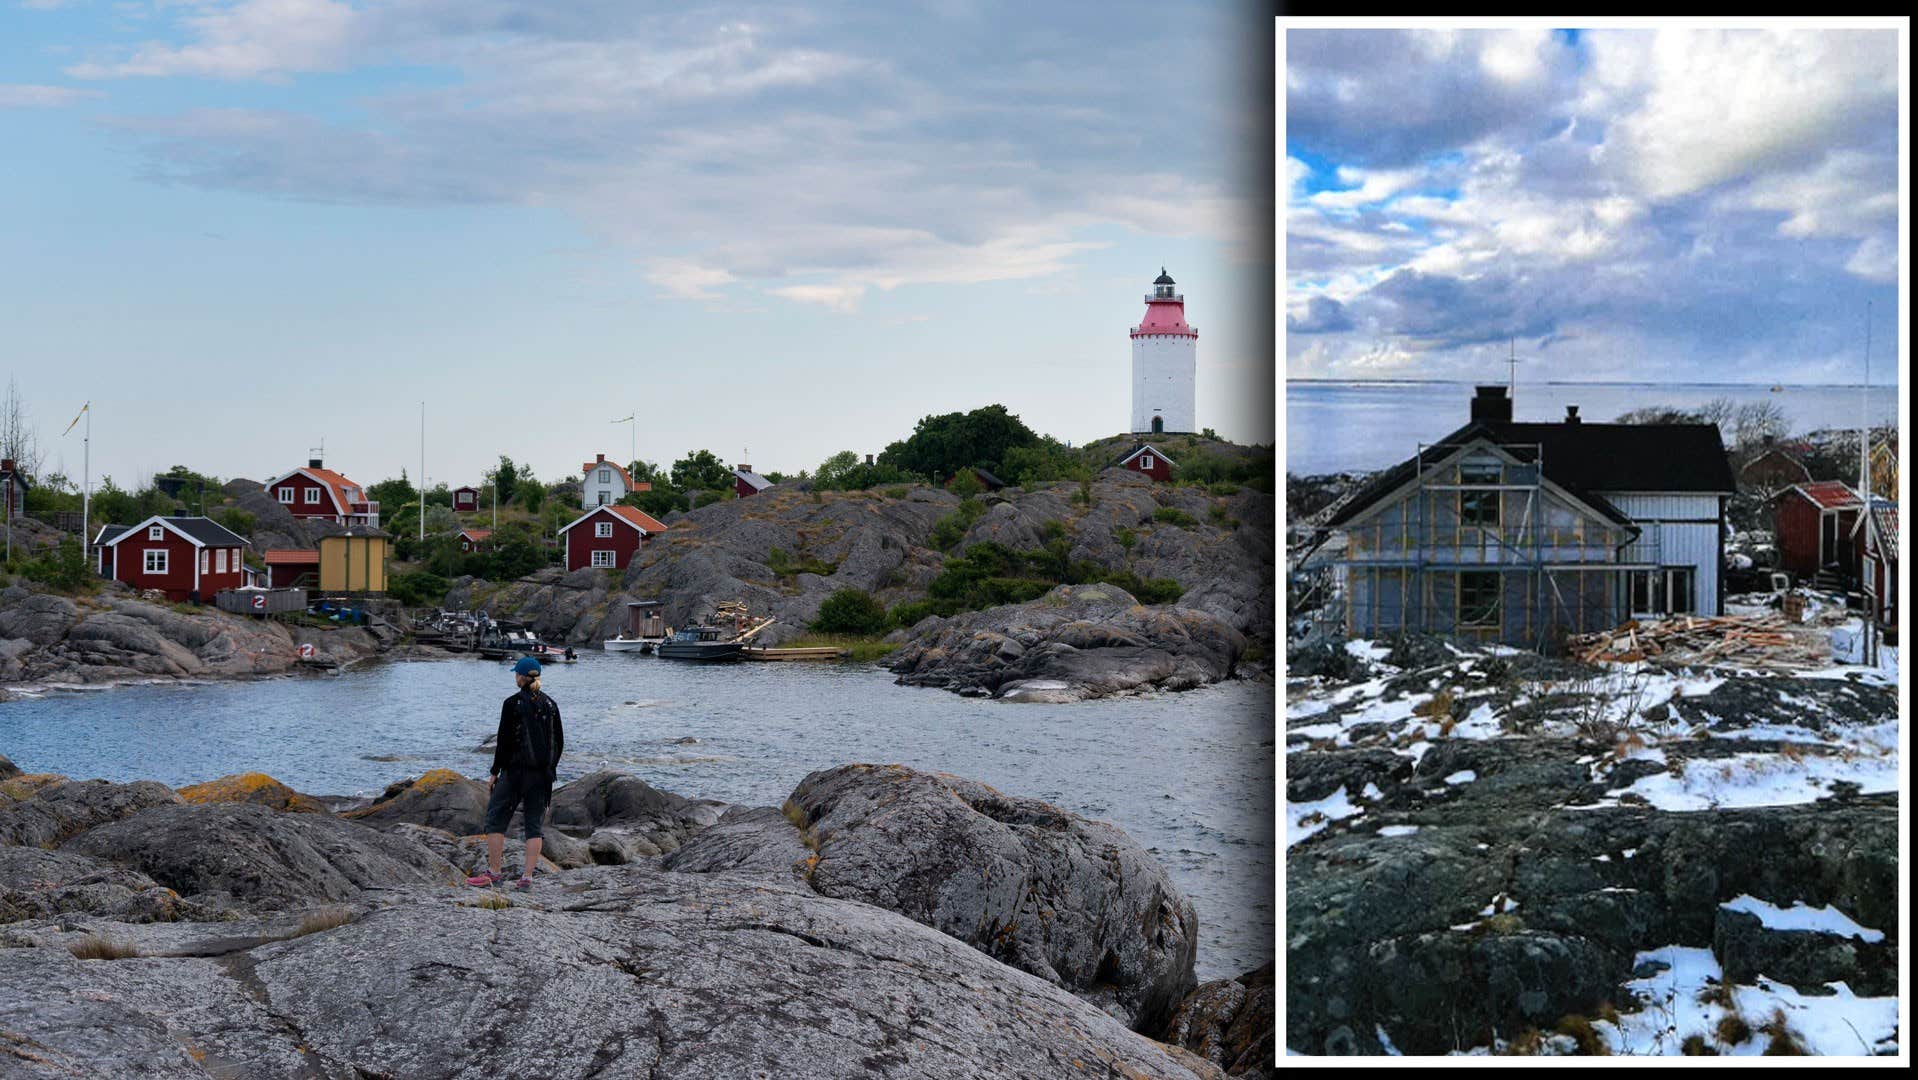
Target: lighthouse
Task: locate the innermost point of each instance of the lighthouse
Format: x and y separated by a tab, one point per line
1165	356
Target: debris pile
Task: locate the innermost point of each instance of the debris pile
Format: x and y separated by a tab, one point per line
1765	641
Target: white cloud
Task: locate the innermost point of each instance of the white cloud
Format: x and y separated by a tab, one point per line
687	280
27	96
250	39
1374	186
841	298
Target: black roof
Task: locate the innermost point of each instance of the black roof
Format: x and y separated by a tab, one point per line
205	530
1163	278
1584	459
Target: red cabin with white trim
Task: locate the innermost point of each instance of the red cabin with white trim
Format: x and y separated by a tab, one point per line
315	492
1146	458
187	558
473	541
465	499
607	537
1814	527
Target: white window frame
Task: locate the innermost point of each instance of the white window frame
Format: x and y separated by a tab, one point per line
602	530
609	562
1145	461
605	476
219	561
155	566
156	532
312	496
206	561
286	494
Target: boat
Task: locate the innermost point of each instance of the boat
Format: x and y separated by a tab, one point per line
700	643
645	628
626	644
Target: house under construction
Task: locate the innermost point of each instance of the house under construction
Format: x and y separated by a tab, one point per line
1524	533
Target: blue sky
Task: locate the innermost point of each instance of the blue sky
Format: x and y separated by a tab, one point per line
243	226
1669	206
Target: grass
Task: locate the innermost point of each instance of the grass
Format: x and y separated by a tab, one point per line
491	901
1582	1032
860	648
96	947
323	920
1784	1041
1732	1029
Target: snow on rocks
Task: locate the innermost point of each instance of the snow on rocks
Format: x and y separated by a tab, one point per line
1302	819
1801	916
1682	996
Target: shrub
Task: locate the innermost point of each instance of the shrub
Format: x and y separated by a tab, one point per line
1172	515
1126	538
418	589
785	566
949	530
1222	519
237	520
323	920
850	611
895	493
63	569
96	947
909	613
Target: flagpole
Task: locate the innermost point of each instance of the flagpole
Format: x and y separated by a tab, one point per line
86	474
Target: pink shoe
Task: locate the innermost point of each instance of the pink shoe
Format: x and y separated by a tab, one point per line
485	879
524	882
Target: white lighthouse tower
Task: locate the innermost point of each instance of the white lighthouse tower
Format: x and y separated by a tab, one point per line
1165	357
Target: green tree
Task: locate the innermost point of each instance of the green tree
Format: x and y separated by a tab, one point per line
531	493
392	494
647	472
701	470
506	478
942	445
1043	462
850	611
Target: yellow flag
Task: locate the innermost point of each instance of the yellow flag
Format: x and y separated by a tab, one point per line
77	416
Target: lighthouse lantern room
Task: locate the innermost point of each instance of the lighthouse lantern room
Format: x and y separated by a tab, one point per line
1165	358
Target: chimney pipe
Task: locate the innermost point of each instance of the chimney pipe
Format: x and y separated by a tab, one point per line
1492	406
869	459
601	457
313	463
1571	414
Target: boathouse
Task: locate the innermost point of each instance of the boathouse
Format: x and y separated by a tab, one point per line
1524	533
465	499
186	558
747	482
1814	523
318	492
1147	459
288	568
607	537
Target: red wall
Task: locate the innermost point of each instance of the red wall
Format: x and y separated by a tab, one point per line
130	563
1798	527
1159	470
742	488
299	507
465	500
581	543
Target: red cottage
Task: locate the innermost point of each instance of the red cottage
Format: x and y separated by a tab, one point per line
288	568
1146	458
607	536
316	492
187	558
13	489
747	482
1814	523
474	540
465	499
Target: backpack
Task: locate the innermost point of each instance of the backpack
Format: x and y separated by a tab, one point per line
538	747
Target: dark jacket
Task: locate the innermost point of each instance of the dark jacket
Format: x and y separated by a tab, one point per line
529	730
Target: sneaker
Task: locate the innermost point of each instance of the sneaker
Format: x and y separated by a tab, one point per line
485	879
524	882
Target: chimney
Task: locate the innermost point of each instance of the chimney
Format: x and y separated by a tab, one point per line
869	459
744	468
601	459
1571	414
313	463
1491	406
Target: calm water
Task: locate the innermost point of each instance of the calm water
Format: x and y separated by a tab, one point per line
1335	426
1188	776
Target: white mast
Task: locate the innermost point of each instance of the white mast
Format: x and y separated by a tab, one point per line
422	472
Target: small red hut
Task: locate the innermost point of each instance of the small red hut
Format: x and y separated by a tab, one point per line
1146	458
607	536
1814	523
187	558
465	499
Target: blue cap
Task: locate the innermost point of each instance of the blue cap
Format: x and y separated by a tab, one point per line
526	666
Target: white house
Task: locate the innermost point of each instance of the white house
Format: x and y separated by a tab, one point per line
605	483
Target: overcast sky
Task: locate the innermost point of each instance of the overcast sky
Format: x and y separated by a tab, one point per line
1670	206
244	226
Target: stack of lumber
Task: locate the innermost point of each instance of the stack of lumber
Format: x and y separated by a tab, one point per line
1761	640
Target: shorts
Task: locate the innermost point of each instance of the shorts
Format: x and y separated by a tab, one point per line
516	788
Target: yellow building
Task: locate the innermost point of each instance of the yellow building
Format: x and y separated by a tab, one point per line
354	561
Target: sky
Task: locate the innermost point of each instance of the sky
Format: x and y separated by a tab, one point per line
1663	206
246	228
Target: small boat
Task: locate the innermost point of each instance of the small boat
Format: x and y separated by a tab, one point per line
623	643
700	643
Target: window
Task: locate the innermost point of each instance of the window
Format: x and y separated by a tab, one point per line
603	529
602	558
1478	507
156	532
603	500
312	496
156	562
206	560
1665	591
1478	599
286	494
1145	461
219	562
605	476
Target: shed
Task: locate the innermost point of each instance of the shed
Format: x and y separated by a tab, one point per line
13	487
747	482
354	561
1148	459
474	540
1814	523
645	619
290	567
465	499
1877	543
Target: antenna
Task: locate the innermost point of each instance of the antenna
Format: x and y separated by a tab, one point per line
1511	389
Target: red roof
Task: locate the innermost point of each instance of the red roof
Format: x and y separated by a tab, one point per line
631	515
1164	317
1829	494
616	467
291	557
1884	516
476	535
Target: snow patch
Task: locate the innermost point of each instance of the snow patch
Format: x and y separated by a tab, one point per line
1824	920
1334	807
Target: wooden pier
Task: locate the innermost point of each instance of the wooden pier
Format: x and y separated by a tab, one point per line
820	652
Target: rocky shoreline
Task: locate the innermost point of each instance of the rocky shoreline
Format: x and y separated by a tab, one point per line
882	921
1494	852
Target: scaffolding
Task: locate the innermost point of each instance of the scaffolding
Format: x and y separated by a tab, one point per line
1478	546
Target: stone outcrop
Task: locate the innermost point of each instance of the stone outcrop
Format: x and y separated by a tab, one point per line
1231	1023
253	787
60	808
439	798
1075	642
265	939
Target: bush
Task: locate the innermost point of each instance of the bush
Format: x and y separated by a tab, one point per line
909	613
1171	515
419	589
237	520
850	611
784	566
949	530
64	569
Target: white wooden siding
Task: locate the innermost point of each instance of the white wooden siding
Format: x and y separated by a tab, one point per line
1677	534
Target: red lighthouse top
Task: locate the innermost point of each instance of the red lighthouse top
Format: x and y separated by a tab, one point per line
1164	311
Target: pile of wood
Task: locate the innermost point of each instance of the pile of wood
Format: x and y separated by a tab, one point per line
1761	640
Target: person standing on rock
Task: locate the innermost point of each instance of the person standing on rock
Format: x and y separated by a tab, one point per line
525	761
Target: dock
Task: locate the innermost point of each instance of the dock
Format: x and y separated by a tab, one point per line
821	652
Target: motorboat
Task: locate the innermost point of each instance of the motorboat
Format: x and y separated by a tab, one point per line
700	643
623	643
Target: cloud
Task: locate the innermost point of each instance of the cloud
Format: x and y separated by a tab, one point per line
29	96
835	148
687	280
841	298
1323	315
